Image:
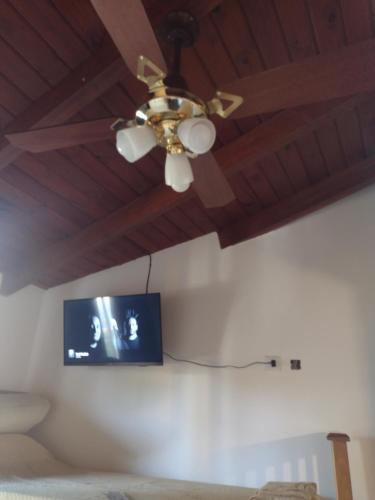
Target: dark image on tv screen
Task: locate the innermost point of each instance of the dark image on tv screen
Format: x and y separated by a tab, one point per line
109	330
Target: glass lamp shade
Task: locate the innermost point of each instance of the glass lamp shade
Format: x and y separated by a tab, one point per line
178	173
197	134
134	142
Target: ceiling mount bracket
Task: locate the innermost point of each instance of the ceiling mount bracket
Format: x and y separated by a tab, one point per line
180	26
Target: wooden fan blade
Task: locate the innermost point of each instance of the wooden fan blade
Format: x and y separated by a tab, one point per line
210	183
130	29
64	136
349	70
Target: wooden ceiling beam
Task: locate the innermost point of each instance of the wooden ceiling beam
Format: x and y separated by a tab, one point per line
337	73
251	147
329	190
82	86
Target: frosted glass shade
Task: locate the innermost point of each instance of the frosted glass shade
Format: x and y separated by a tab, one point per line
134	142
178	173
197	134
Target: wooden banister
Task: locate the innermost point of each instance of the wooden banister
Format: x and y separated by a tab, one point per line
342	468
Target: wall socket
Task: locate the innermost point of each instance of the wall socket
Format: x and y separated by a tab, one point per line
295	364
278	363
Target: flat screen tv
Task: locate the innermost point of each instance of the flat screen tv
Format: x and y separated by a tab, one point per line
113	330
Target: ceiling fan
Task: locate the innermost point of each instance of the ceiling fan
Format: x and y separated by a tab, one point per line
176	119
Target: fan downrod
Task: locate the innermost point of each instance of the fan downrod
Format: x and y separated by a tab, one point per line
180	29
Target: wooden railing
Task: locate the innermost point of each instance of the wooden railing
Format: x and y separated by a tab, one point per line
341	463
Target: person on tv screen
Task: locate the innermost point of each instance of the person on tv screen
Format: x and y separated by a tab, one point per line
96	347
131	330
96	332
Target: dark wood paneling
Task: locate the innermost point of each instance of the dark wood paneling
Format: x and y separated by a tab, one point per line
57	33
311	155
326	16
350	135
53	196
314	197
29	44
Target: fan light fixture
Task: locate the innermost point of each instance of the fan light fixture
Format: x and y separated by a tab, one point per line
172	117
178	173
191	136
134	142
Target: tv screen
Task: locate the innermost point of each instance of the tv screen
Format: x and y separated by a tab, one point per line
113	330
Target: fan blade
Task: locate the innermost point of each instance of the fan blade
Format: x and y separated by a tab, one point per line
349	70
129	27
64	136
210	183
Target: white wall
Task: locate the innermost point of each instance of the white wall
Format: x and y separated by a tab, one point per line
19	316
306	291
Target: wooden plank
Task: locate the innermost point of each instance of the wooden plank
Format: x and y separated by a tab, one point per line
260	185
366	113
84	159
107	154
326	16
253	146
312	157
52	27
337	73
11	98
49	222
330	147
141	239
350	136
5	118
275	174
296	26
82	86
68	180
342	466
20	73
218	64
244	193
21	36
170	229
19	179
357	20
239	42
230	53
265	27
181	219
83	19
325	192
200	217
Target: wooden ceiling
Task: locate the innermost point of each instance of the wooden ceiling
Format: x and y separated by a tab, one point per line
68	213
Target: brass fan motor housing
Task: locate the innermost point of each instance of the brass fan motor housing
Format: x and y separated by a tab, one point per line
165	111
168	107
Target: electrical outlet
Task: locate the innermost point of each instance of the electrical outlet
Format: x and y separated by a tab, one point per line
277	359
295	364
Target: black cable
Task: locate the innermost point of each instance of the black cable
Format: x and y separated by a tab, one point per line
149	273
218	366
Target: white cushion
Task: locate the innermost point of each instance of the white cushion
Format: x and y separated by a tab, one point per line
18	448
22	456
19	412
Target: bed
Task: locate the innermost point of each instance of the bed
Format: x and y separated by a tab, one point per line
29	471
